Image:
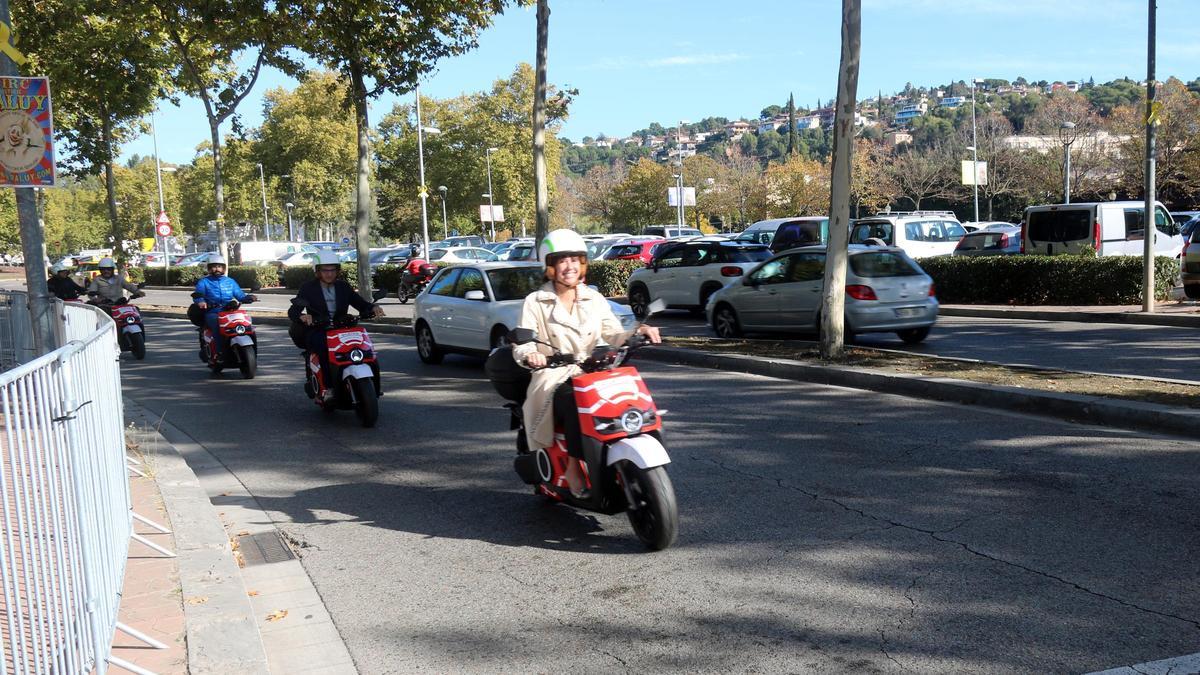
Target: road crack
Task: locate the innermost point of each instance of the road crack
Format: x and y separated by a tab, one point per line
938	535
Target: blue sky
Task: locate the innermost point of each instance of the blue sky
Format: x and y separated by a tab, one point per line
641	61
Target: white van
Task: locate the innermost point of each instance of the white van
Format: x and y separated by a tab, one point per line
671	231
920	234
1108	228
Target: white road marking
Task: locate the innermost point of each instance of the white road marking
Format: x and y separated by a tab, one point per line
1180	665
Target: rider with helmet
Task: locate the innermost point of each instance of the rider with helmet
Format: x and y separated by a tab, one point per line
110	287
212	293
322	302
61	285
571	317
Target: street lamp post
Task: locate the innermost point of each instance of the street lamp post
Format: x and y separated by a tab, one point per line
974	151
1066	135
289	206
491	201
679	213
422	192
442	189
292	196
262	181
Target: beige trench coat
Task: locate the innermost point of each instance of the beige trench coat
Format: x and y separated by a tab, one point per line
574	333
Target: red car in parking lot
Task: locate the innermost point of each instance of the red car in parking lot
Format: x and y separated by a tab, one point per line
634	250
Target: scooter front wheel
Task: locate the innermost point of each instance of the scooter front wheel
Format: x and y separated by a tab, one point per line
366	403
247	361
653	513
137	345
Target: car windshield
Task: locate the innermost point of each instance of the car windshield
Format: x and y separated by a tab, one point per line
514	283
882	264
738	254
438	254
981	241
623	250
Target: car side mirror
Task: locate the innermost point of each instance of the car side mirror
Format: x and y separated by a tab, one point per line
520	336
475	295
379	294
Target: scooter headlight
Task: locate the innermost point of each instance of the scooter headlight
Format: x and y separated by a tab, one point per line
240	330
632	421
356	356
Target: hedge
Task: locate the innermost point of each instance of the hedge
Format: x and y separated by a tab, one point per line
253	277
386	276
1046	280
611	276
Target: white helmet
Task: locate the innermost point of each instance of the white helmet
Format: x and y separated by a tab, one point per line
215	260
327	257
59	267
562	242
107	263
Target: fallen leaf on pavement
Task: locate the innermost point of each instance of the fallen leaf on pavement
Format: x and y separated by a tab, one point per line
244	533
252	593
277	615
197	600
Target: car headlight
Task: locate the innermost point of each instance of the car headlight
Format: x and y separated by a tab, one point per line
356	356
240	330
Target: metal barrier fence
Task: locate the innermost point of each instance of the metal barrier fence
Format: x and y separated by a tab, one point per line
16	329
65	515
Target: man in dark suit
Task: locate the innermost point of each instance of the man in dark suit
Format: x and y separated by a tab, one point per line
321	302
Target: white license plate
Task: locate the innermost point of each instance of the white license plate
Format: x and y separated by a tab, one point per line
908	312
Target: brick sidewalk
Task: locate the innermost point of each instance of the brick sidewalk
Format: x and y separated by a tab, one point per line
151	599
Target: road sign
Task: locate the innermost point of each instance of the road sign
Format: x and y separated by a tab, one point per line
345	240
163	229
689	196
486	217
968	172
27	148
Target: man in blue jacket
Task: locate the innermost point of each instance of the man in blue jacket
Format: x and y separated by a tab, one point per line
214	292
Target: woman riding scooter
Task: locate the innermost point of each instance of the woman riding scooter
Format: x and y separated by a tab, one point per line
326	299
61	285
571	317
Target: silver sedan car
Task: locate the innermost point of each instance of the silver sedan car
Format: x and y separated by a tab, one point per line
886	291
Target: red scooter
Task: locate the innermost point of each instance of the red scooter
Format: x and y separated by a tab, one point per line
241	349
131	333
353	372
625	460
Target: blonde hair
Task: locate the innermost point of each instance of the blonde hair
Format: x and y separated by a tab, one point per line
583	266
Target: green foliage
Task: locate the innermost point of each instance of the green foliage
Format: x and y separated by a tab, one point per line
136	275
254	277
1046	280
294	277
388	276
611	276
175	276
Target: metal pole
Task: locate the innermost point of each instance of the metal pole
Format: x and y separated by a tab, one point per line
262	181
421	175
1067	176
679	194
446	223
162	206
491	196
33	242
1149	219
974	153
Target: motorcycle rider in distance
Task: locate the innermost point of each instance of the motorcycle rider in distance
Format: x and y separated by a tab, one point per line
212	293
571	317
327	299
110	287
61	285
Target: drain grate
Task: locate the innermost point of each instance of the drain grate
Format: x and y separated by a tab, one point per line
264	548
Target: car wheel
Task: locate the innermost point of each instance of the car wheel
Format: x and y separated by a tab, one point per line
427	348
639	301
725	323
913	336
705	294
499	337
1192	291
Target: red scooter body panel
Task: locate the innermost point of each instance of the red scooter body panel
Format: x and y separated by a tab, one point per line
341	343
609	394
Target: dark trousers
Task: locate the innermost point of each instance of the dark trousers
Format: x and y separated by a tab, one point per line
566	417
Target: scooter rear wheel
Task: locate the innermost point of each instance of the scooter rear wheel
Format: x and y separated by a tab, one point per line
654	513
402	294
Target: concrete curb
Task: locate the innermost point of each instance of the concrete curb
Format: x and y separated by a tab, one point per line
1072	407
222	634
1128	318
274	290
380	328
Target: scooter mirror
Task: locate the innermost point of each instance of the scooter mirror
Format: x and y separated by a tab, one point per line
655	307
520	336
379	294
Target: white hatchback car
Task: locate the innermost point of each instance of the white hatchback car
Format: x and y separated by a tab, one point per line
684	274
469	309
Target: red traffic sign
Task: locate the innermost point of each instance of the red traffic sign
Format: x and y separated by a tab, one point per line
162	219
162	225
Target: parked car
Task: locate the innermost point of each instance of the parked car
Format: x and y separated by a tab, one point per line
799	231
886	291
399	255
1108	228
972	226
195	259
670	231
1181	217
1185	230
685	274
472	240
460	255
633	250
992	240
297	259
522	250
500	248
920	234
263	252
470	309
1189	263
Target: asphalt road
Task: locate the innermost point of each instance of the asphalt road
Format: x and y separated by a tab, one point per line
822	529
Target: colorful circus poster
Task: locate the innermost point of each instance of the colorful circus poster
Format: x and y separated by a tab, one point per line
27	125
